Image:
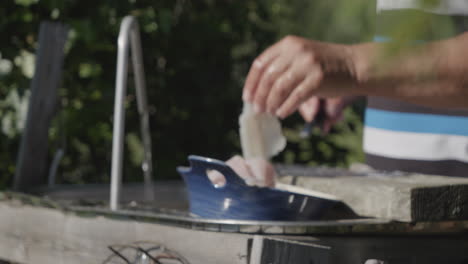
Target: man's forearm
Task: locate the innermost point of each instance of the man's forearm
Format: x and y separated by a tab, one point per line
434	94
433	74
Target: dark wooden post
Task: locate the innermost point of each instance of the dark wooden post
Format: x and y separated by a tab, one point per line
32	162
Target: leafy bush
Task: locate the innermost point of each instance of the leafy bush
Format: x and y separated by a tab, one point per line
196	54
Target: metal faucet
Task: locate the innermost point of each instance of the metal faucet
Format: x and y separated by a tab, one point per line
129	40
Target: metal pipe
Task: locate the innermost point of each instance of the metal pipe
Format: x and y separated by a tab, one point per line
140	85
54	167
129	38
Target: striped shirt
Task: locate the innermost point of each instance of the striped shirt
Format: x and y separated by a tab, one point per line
407	137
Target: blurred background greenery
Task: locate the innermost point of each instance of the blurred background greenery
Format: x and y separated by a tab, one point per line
196	55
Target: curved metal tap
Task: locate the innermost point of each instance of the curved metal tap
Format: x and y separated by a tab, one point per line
129	39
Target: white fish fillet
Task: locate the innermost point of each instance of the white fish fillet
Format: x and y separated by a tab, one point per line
260	134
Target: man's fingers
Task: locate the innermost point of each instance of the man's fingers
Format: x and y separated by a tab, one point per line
326	126
331	121
253	78
283	87
334	112
256	70
309	109
334	107
269	77
301	93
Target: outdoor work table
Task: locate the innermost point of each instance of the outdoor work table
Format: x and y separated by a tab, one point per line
40	230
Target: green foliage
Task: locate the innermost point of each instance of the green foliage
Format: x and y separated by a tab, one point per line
196	55
336	21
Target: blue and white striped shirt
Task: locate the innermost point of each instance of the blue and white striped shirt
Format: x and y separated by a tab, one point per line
408	137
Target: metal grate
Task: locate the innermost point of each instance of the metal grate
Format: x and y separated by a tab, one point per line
143	252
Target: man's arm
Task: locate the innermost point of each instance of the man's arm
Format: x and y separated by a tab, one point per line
295	69
435	74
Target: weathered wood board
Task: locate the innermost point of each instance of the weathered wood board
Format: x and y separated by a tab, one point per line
404	197
32	164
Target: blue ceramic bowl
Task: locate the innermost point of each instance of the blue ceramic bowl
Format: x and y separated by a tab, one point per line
236	200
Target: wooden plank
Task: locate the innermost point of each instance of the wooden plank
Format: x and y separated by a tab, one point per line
408	198
32	163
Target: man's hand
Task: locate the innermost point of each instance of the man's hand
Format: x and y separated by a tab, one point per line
333	109
258	172
293	70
